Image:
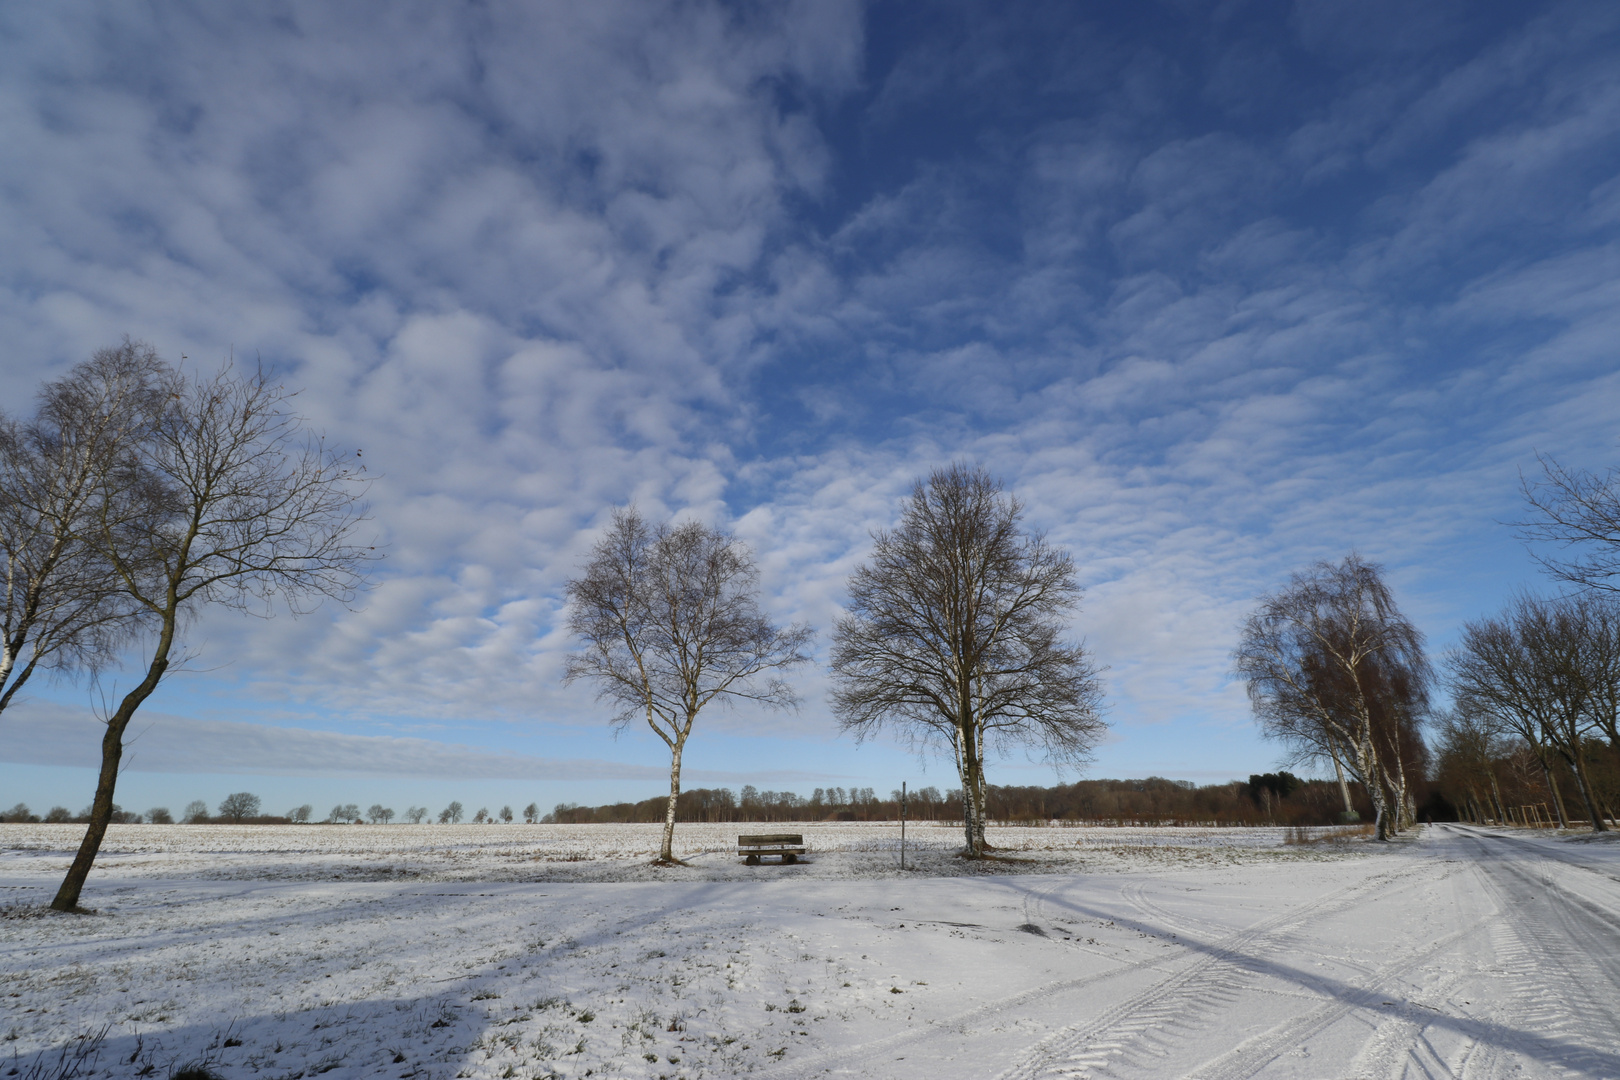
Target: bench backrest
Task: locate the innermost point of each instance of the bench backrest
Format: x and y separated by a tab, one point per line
770	838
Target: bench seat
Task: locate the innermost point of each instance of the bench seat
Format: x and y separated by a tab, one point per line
789	846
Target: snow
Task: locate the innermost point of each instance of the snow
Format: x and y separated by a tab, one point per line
532	951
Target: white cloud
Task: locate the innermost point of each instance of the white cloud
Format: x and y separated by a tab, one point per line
541	261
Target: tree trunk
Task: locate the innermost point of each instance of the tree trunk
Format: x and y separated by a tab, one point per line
1557	796
1344	788
1578	762
1496	793
1398	798
666	853
1376	784
112	751
971	770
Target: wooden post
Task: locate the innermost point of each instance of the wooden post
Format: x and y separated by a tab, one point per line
902	824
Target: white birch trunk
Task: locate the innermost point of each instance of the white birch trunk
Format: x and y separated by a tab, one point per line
666	853
1344	787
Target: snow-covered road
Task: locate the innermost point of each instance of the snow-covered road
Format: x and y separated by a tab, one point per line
1461	953
1471	954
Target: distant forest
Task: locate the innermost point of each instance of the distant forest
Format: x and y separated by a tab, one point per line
1268	799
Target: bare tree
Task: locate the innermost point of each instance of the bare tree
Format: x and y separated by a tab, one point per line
62	607
671	623
451	815
239	805
1334	669
1531	670
1576	510
1601	666
229	501
1469	743
531	813
300	814
954	636
345	813
196	812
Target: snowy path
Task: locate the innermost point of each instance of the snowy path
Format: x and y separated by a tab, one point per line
1483	956
1487	956
1464	953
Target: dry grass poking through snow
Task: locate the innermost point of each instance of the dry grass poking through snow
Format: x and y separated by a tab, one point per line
621	852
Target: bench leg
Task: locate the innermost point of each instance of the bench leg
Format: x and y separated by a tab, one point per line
752	860
790	858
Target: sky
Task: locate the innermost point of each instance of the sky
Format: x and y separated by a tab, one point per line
1216	289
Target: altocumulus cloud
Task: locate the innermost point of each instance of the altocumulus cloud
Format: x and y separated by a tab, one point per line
1217	292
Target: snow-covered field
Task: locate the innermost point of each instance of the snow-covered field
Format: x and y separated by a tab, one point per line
531	951
608	852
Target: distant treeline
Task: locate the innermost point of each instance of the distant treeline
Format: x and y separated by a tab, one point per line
1496	779
1265	799
1269	799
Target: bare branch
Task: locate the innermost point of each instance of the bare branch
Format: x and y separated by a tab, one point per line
1548	671
670	622
224	498
1334	670
1576	510
63	609
953	636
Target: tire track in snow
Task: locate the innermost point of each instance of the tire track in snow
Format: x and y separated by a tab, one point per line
1137	1036
1561	960
1036	898
1254	1054
1559	952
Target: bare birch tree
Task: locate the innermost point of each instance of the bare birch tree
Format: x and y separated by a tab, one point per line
1578	511
62	608
1333	667
671	623
229	501
954	636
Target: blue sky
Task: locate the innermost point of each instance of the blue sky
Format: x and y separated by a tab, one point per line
1217	288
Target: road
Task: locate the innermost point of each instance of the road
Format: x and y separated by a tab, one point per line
1470	953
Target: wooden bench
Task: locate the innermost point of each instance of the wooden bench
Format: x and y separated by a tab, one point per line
788	845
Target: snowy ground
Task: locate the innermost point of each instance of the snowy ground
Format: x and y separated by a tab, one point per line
429	951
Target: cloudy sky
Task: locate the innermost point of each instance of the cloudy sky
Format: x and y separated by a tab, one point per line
1218	289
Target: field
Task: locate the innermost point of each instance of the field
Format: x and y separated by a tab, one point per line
535	951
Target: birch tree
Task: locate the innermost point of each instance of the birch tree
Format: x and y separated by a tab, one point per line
62	608
1332	667
953	634
670	620
229	501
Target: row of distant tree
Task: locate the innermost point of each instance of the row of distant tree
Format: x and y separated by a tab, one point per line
1266	799
1270	798
244	808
